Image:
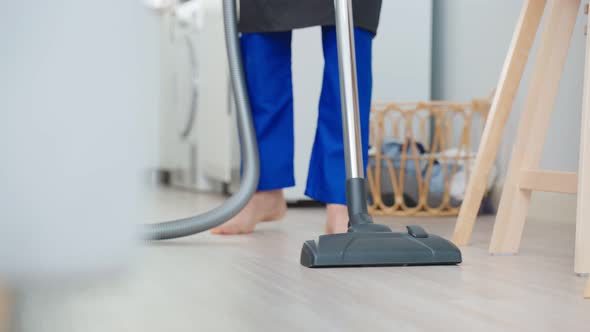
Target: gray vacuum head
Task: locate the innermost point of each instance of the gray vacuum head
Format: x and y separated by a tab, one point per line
383	248
367	243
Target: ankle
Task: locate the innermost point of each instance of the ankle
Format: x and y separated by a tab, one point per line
337	218
270	193
271	197
337	209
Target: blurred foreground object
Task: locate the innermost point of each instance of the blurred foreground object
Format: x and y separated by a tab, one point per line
74	138
78	105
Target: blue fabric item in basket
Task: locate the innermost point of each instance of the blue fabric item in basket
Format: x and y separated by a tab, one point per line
392	150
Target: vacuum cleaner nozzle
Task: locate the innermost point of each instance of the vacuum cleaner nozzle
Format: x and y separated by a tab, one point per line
384	248
367	243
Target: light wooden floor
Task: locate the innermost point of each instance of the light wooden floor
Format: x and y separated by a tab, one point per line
3	310
255	283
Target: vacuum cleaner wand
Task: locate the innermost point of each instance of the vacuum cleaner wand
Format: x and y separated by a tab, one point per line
355	183
367	243
356	200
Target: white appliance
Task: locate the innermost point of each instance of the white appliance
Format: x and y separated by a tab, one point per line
401	71
198	133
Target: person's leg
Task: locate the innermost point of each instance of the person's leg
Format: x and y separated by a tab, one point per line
326	181
267	65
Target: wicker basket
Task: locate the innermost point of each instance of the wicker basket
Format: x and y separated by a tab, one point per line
421	156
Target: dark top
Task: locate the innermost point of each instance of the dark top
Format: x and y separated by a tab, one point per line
285	15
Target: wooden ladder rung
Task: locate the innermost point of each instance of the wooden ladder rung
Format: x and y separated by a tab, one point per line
549	181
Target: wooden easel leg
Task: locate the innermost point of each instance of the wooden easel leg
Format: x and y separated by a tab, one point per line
555	40
514	65
582	261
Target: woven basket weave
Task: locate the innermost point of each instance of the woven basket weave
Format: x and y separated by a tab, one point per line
437	142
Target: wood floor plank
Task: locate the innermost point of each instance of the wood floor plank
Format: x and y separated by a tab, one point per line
4	307
255	283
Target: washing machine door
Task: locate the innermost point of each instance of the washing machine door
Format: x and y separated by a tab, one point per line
186	80
200	146
180	101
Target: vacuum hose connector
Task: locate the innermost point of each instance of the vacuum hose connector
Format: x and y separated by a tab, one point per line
249	148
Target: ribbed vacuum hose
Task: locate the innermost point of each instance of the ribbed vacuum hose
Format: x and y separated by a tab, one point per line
249	148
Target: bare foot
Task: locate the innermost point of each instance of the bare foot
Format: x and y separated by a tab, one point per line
337	219
263	206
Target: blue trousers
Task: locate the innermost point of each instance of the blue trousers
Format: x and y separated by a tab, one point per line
267	64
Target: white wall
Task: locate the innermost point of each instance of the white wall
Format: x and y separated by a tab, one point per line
402	51
471	38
